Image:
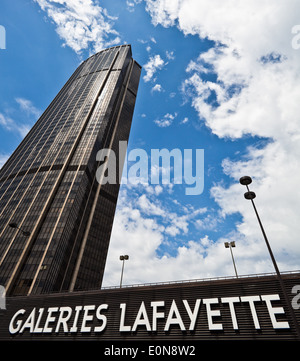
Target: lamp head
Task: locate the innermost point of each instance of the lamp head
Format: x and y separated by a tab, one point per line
246	180
249	195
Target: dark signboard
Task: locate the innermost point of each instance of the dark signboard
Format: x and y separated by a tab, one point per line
251	308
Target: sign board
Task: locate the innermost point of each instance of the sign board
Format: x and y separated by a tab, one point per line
250	308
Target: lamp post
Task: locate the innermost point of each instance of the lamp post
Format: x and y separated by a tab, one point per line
14	225
246	180
123	258
230	245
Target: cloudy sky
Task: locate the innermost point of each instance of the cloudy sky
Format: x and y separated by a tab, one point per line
222	76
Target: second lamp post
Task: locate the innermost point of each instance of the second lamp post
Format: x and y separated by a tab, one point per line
123	258
230	245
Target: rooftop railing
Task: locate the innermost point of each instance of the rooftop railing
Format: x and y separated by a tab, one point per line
208	279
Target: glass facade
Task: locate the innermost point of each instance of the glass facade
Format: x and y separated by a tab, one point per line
48	186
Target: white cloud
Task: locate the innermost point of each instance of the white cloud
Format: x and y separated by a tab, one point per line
149	207
27	112
208	223
196	66
163	12
81	23
256	93
6	122
131	4
10	125
142	225
170	55
258	103
155	63
157	88
166	121
158	189
27	106
184	120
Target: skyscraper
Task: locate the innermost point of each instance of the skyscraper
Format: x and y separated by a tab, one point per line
55	215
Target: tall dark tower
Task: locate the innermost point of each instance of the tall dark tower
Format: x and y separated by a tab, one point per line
55	215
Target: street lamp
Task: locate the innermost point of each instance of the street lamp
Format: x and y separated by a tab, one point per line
123	258
230	245
14	225
245	181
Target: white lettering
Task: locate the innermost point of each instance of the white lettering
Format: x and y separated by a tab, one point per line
14	329
251	300
156	314
138	173
120	351
101	318
86	318
296	38
2	37
38	329
2	298
165	156
122	161
296	299
177	320
122	327
142	319
212	313
29	323
231	301
77	311
198	179
108	157
92	318
49	319
192	315
274	310
63	319
161	166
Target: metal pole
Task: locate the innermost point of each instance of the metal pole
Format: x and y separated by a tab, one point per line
266	239
122	272
250	195
233	260
230	245
123	258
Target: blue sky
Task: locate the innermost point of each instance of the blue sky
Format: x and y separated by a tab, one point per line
218	76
